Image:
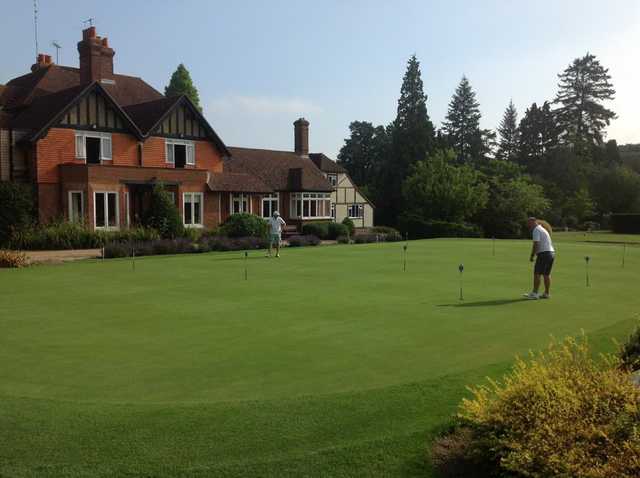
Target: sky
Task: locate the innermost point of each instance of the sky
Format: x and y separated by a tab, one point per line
260	65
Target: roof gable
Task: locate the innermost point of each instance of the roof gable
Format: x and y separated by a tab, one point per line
175	117
80	107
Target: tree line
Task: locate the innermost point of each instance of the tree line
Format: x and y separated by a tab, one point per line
553	162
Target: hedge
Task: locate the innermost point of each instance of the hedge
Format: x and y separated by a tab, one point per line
244	225
625	223
418	228
18	209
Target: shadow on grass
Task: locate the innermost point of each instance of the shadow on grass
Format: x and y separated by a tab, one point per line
484	303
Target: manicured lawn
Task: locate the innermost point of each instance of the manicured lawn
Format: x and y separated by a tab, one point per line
330	361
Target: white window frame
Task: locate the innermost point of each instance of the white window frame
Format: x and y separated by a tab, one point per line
70	200
169	148
270	198
184	202
333	210
333	179
106	145
359	207
106	227
308	198
127	214
241	197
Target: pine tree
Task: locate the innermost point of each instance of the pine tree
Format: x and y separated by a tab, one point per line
181	84
462	124
582	88
509	135
364	152
412	138
537	136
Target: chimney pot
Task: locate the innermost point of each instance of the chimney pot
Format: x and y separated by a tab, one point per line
89	33
47	60
301	136
105	42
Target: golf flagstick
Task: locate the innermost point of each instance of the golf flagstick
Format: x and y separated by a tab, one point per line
404	258
461	269
624	253
586	260
246	254
494	245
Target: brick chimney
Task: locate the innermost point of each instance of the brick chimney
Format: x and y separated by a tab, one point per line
301	136
96	58
41	61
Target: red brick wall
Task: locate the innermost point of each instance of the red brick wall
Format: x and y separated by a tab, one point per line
153	153
57	147
49	204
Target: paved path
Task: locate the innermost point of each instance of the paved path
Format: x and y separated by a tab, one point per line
55	257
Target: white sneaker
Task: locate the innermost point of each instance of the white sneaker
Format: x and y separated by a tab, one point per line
531	296
545	296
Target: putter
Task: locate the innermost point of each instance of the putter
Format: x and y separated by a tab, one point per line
461	270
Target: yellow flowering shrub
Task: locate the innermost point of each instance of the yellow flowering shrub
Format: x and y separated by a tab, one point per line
13	259
559	414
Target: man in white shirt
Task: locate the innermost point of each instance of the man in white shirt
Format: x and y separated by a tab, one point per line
275	232
544	252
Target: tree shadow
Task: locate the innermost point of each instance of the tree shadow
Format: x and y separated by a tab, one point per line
484	303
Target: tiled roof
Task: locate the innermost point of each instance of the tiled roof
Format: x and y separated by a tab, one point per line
20	91
326	164
146	115
281	170
44	108
237	182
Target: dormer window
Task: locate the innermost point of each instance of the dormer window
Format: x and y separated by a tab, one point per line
180	153
93	147
333	179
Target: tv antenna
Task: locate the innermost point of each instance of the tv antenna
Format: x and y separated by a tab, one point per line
88	22
57	46
35	23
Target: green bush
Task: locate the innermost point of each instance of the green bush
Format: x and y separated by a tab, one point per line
244	225
318	229
625	223
305	240
17	210
349	223
67	235
336	230
343	240
559	413
163	215
630	351
419	228
384	230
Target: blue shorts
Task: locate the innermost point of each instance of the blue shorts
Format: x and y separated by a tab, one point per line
544	263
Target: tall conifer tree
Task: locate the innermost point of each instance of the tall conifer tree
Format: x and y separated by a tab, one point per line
583	87
412	138
182	84
508	131
462	125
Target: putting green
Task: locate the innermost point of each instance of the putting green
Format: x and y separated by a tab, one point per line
330	360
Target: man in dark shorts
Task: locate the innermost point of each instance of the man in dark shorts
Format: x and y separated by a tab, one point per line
544	253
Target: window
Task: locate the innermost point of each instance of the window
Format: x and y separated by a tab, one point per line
105	210
333	211
192	209
127	215
333	179
310	205
93	147
240	203
180	153
356	211
76	206
269	204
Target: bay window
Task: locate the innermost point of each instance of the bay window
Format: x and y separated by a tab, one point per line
105	210
310	205
240	203
269	204
192	209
